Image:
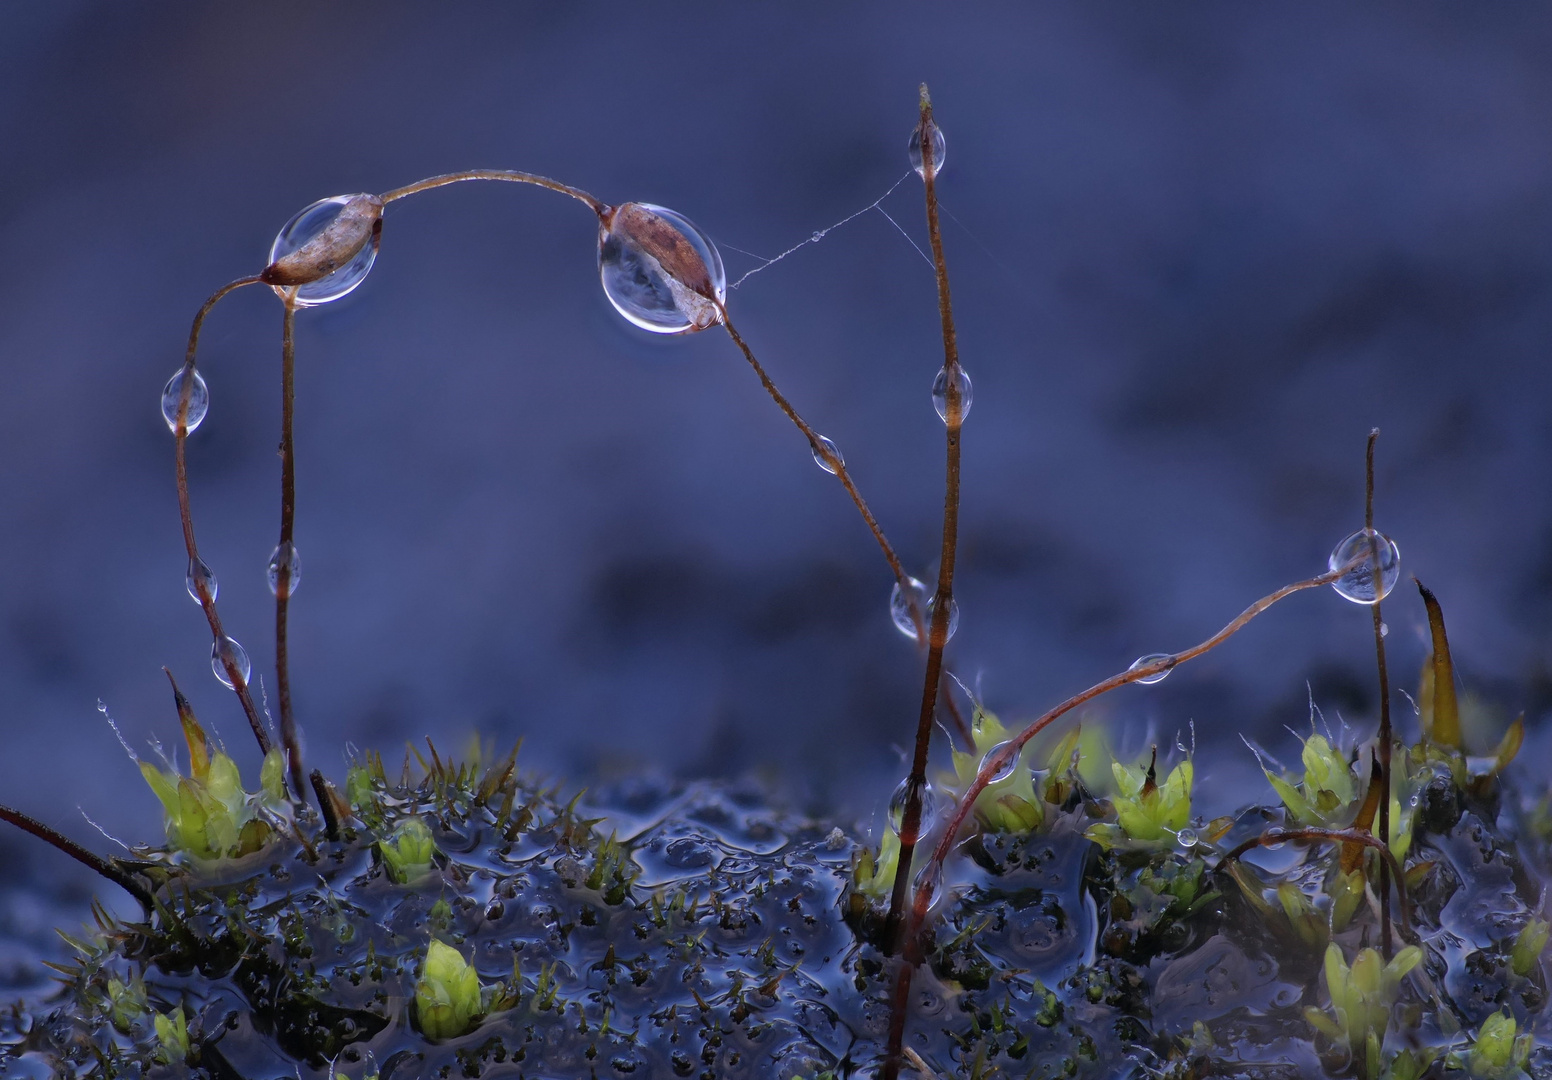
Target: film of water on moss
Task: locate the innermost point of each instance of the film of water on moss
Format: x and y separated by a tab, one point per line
1042	910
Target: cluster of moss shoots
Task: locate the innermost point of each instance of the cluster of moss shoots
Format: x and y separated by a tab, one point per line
1041	910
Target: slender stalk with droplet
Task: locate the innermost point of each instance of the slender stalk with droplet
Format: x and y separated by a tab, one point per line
282	585
207	601
937	633
913	918
1379	653
832	460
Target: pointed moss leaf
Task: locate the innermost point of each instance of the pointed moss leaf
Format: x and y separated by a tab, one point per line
1528	947
272	776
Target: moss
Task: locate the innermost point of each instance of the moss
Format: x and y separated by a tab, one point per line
714	945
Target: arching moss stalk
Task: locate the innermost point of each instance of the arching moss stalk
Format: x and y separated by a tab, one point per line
207	601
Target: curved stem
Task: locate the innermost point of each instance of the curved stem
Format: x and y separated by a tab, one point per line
832	460
508	175
1014	746
942	606
995	763
1388	861
207	602
99	865
288	737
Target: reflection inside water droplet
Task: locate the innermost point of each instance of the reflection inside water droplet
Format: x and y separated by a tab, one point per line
825	447
284	557
306	225
1008	766
172	398
200	574
227	650
940	393
939	150
659	270
929	806
1148	661
1367	547
900	613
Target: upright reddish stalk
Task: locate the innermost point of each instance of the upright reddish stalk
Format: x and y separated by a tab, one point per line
942	604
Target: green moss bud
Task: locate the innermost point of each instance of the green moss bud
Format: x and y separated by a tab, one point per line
408	852
172	1037
1528	946
447	997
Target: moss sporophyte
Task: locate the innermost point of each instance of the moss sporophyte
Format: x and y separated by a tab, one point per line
1040	908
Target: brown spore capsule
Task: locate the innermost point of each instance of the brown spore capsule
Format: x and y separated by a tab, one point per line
358	223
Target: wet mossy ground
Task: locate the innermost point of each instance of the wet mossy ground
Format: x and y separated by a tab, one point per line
695	932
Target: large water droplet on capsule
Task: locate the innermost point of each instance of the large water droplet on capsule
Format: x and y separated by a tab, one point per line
1148	661
226	650
914	149
1367	547
1008	767
200	574
326	249
172	398
659	270
284	557
900	608
929	807
826	446
940	394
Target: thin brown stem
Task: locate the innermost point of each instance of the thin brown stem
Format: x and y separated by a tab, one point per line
288	739
942	605
831	459
207	600
1379	652
1388	862
999	761
102	867
996	763
508	175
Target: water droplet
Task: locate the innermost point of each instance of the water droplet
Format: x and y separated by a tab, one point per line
1357	584
928	885
1186	838
309	225
659	270
172	398
228	649
1147	661
929	806
818	235
200	574
1384	629
826	446
1008	767
939	150
284	557
940	394
900	608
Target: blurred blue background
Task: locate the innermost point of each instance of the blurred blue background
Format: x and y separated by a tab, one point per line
1197	252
